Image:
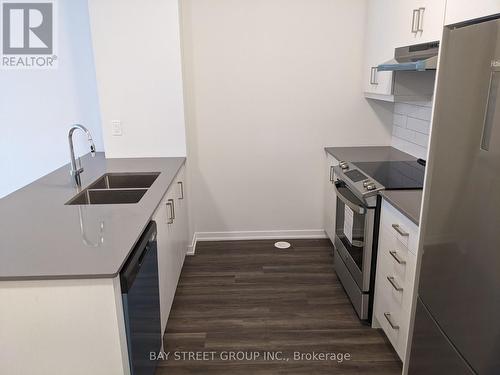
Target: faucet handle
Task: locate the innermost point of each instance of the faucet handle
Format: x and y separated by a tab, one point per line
80	168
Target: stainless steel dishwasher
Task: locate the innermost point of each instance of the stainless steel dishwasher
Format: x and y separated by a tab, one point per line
141	303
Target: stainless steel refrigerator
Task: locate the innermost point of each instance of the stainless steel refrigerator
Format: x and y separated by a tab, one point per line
457	321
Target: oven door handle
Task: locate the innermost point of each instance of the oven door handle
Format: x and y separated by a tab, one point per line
353	206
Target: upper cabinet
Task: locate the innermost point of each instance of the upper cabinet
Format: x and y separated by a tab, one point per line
391	24
465	10
419	21
380	42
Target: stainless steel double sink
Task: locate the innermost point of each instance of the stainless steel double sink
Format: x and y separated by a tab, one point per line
116	188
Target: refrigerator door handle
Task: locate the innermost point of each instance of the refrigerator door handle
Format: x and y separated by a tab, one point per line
491	102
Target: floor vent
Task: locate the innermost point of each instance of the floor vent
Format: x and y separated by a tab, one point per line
282	245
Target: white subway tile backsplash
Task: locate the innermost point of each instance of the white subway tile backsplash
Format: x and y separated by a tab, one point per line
409	147
418	125
412	110
410	132
422	139
404	134
419	103
422	113
403	108
400	120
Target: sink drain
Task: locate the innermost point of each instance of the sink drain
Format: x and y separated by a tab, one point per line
282	245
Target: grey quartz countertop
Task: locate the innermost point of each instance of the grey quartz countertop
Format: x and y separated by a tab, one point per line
368	153
406	201
42	238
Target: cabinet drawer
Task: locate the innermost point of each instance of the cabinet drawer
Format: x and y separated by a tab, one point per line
393	286
395	258
387	313
403	228
394	283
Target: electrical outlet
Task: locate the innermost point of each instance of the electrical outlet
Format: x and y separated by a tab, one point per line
116	128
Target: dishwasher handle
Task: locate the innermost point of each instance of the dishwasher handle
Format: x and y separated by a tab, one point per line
134	262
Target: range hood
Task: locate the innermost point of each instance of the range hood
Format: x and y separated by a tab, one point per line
417	57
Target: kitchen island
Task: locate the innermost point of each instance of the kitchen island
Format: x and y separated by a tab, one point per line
60	266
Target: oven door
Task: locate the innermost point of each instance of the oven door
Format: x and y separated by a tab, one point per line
354	234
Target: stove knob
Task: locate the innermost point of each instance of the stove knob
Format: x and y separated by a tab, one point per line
370	186
344	165
366	183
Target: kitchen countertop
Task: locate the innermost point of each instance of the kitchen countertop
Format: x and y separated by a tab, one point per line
42	238
406	201
368	153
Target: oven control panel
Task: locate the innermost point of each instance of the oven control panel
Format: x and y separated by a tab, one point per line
359	183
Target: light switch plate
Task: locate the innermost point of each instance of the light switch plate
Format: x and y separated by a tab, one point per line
116	128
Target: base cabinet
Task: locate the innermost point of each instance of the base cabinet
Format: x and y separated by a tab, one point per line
395	276
172	225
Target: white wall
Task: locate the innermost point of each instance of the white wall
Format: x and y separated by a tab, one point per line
37	107
268	84
138	64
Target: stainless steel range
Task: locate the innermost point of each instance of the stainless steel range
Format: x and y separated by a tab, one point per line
357	221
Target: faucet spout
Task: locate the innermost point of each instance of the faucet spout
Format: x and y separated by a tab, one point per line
77	170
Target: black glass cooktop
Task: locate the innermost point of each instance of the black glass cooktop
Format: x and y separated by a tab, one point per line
395	175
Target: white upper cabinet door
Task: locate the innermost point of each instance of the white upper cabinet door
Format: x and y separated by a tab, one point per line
465	10
419	21
432	20
397	23
380	42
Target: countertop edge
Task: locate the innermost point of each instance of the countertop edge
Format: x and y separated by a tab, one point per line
368	153
399	207
107	275
62	277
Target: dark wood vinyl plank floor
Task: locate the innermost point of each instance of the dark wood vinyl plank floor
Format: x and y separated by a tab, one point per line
247	296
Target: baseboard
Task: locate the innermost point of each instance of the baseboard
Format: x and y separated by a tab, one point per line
255	235
192	248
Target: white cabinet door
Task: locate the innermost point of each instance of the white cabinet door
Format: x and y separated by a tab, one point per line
165	246
465	10
391	24
171	221
431	22
380	41
181	219
419	21
330	208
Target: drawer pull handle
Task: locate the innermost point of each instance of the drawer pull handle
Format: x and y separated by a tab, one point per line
170	205
394	284
416	17
181	187
401	232
396	257
388	317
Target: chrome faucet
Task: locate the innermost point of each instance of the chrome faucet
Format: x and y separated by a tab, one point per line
76	171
